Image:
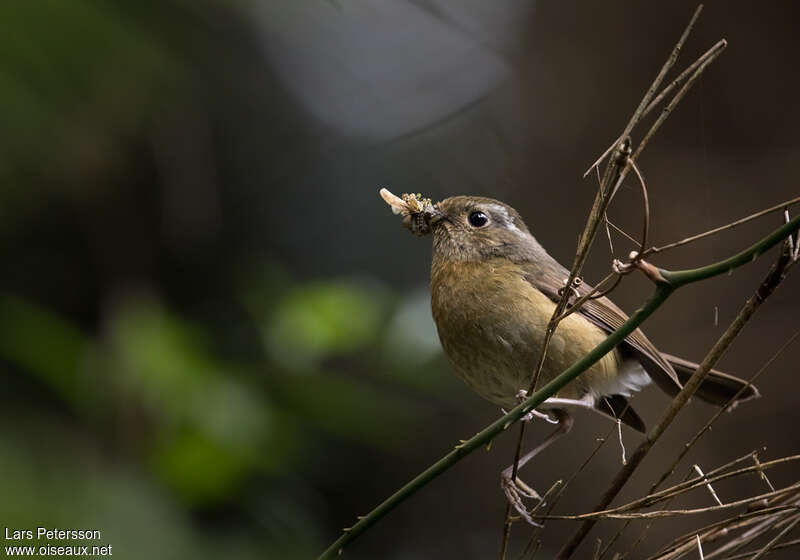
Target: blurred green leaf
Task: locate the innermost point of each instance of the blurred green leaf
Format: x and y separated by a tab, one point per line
198	467
43	343
63	481
211	431
321	319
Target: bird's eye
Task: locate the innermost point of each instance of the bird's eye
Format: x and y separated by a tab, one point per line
478	219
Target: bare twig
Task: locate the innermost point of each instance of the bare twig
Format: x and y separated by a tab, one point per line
622	232
679	547
700	548
688	446
761	473
601	442
749	555
684	487
774	277
714	52
595	293
764	514
645	104
721	528
707	427
597	546
607	223
645	209
778	515
643	533
694	70
727	226
771	544
612	514
614	175
708	485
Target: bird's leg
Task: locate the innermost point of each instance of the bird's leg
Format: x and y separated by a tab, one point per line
514	488
522	394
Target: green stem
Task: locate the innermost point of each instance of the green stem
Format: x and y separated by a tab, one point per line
481	438
672	281
682	277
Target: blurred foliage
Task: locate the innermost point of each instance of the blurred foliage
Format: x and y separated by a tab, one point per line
319	319
154	410
139	422
171	382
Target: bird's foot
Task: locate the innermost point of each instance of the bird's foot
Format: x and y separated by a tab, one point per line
522	394
515	490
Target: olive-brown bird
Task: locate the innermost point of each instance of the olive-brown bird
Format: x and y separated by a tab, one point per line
493	291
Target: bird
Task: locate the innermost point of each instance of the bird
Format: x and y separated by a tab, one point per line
493	291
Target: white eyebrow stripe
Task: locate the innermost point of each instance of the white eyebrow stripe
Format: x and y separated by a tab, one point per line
509	222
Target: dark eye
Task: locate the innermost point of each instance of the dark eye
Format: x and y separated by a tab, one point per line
478	219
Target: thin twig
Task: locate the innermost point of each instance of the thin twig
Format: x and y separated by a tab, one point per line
601	442
643	533
688	446
766	519
614	175
645	209
593	294
683	488
694	70
623	232
707	427
749	555
714	52
678	512
608	233
645	105
770	514
700	548
595	556
771	544
680	545
727	226
772	280
708	485
775	519
761	473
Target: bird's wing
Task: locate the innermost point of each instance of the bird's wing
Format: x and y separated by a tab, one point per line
606	315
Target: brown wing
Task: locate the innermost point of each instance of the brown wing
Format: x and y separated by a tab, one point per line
606	315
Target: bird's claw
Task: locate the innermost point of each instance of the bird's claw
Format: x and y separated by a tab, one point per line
515	490
522	394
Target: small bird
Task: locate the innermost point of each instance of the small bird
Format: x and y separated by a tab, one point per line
493	291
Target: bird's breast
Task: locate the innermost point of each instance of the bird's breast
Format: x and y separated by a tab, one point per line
491	322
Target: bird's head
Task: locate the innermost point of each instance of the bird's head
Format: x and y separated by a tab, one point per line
468	228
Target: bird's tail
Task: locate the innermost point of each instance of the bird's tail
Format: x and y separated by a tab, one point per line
718	387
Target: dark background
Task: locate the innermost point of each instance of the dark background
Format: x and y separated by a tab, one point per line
214	336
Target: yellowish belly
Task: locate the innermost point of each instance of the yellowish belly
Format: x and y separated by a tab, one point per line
492	326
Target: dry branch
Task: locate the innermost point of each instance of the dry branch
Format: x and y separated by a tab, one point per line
773	279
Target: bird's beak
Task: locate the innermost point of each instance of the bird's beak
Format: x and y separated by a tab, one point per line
436	216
